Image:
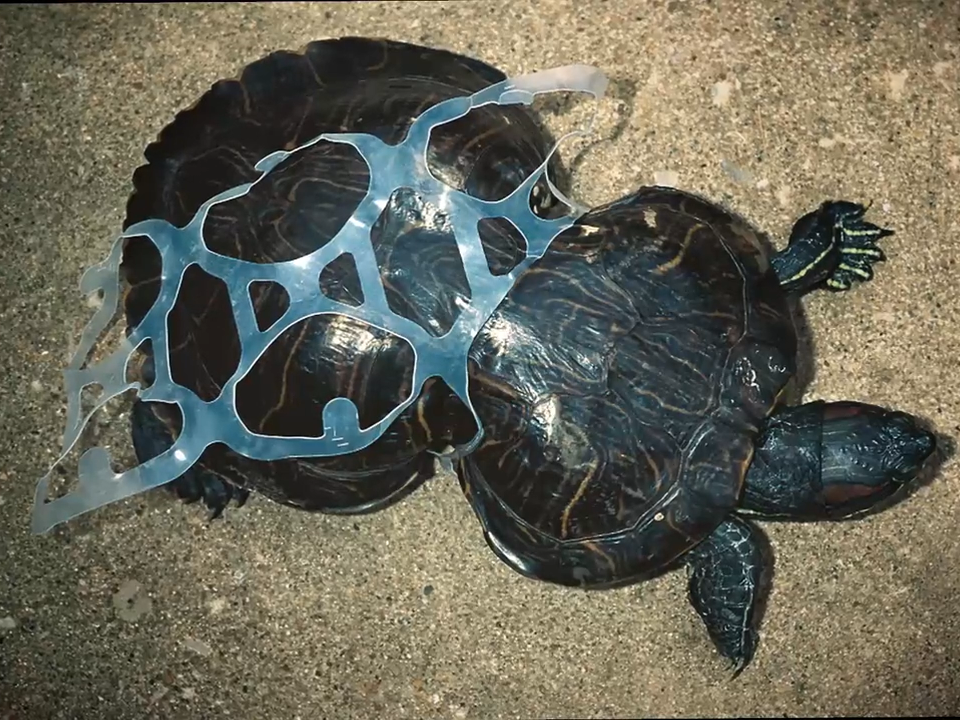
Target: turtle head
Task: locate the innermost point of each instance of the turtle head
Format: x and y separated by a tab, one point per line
833	460
905	444
869	450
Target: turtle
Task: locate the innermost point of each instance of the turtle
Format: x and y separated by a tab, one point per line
637	388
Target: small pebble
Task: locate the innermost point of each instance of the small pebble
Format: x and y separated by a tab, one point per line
897	83
721	92
198	646
783	196
666	178
737	174
8	623
129	604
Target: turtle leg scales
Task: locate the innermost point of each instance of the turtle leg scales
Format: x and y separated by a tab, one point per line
824	461
726	580
831	247
151	438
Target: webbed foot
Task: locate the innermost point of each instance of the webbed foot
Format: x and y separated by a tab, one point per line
726	572
197	485
151	437
831	247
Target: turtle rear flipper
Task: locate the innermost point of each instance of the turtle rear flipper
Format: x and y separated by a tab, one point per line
726	584
151	437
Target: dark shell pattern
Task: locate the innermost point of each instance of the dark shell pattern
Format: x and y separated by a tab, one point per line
620	384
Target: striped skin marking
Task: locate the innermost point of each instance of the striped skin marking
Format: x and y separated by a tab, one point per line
861	272
868	252
868	232
807	268
854	240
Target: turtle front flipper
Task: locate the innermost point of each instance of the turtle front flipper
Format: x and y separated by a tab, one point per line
727	573
831	247
151	437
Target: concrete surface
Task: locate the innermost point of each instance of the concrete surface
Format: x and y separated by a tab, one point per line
142	610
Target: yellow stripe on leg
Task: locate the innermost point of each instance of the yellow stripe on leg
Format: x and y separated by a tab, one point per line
866	275
869	252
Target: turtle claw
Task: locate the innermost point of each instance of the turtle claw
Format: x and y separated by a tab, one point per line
736	666
831	247
725	585
857	242
216	494
151	437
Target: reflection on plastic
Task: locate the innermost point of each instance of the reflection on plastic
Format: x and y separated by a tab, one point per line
204	423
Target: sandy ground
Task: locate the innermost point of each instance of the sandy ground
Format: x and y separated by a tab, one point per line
143	610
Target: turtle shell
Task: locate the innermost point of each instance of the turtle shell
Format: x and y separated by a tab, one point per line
621	385
281	102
